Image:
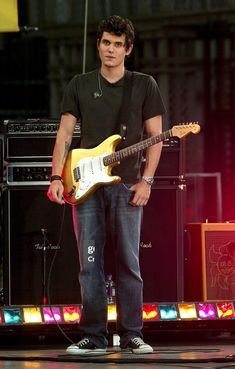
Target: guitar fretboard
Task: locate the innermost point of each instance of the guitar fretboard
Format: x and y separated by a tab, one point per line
131	150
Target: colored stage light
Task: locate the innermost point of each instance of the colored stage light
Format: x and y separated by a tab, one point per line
71	314
150	312
51	314
206	311
225	310
12	316
168	311
187	311
112	312
32	314
32	365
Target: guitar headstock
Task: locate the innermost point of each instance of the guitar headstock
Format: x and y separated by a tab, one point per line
184	129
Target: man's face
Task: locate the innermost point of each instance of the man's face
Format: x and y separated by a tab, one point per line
112	49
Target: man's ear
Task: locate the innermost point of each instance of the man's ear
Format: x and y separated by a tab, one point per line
129	50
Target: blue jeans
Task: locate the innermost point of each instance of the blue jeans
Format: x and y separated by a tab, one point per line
109	209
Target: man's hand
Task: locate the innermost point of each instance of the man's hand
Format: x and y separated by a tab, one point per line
55	192
141	193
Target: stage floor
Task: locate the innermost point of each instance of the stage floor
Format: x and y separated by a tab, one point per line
219	353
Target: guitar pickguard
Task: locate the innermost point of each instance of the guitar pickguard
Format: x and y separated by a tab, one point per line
92	171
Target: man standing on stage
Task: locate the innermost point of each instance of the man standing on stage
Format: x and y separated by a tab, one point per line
95	98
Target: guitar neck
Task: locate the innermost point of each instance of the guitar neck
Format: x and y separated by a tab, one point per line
134	149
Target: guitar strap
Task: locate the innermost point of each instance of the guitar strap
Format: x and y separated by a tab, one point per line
124	111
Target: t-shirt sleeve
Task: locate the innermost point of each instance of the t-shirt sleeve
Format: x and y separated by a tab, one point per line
153	103
70	100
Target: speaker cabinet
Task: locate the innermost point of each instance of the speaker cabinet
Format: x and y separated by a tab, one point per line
210	262
40	254
1	159
161	247
204	197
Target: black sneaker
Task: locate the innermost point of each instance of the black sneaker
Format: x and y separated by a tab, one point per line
138	346
85	347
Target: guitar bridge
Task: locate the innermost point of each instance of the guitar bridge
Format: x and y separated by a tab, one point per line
76	174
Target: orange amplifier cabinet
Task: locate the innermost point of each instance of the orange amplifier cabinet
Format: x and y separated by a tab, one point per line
209	269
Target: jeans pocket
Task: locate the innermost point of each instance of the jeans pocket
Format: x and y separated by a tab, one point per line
127	187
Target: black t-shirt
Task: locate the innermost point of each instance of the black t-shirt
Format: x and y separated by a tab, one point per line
99	115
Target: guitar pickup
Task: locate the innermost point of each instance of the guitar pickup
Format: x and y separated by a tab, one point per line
76	174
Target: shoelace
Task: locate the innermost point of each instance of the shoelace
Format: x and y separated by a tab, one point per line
83	342
137	341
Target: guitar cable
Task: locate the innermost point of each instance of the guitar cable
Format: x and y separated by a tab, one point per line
50	272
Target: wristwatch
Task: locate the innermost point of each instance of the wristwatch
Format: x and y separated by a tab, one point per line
149	180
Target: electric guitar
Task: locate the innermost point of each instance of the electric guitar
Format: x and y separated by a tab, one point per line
87	169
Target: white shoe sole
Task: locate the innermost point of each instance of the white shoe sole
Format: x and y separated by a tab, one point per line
142	351
74	351
147	350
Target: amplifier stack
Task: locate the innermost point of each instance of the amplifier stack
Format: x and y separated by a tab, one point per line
32	223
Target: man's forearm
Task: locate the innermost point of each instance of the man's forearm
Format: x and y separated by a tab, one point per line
153	155
60	153
63	143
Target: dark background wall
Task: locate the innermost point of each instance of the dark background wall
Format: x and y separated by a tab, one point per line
188	46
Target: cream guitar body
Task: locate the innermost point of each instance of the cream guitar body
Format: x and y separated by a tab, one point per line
84	170
87	169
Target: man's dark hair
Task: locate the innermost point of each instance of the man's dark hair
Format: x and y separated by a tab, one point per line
118	26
